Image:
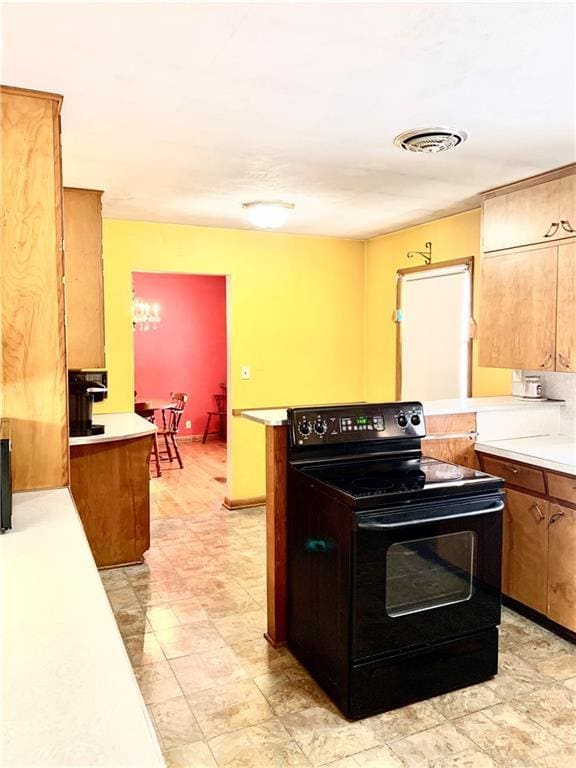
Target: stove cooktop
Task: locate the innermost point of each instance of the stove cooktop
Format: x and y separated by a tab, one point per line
385	479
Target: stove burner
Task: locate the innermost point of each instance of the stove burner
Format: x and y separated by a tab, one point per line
438	473
377	484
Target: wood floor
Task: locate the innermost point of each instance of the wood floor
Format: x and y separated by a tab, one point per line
193	617
196	490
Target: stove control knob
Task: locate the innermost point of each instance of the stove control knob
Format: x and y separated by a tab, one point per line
319	427
415	419
402	421
304	428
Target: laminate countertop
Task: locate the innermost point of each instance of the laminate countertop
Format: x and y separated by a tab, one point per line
277	417
68	693
117	426
555	452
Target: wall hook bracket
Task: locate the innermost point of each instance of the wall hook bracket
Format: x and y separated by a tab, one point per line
426	253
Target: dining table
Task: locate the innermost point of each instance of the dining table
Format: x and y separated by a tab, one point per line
147	408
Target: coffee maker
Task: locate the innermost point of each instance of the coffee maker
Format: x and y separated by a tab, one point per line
85	387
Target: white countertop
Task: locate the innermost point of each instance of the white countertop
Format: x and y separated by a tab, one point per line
555	452
276	417
69	697
117	426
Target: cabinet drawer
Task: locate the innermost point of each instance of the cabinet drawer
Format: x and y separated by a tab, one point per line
562	487
516	474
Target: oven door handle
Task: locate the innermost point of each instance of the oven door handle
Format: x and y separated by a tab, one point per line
422	520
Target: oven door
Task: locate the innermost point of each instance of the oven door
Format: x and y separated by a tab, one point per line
425	573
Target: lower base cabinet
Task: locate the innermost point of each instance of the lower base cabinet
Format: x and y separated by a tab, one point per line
525	550
539	539
110	485
562	566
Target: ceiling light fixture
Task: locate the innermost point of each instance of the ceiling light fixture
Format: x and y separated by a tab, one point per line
430	140
268	215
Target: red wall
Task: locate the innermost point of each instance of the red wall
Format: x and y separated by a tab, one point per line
187	352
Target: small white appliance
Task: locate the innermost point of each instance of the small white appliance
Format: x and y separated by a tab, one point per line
527	386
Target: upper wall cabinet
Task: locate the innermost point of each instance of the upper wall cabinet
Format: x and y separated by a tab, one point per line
518	310
525	215
33	360
528	292
84	281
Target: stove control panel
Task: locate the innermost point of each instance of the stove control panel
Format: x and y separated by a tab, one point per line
331	424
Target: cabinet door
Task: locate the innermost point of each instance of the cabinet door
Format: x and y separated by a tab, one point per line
562	566
521	217
568	206
518	310
566	314
525	553
83	268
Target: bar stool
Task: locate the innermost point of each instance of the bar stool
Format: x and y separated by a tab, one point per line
170	423
220	413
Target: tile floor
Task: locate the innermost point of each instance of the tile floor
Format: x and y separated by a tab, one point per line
192	618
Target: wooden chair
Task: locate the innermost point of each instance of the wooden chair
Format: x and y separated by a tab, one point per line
170	424
150	416
220	413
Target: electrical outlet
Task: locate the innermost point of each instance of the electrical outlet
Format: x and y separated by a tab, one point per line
188	425
245	372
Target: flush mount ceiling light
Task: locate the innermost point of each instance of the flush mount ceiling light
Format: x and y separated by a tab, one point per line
268	215
430	139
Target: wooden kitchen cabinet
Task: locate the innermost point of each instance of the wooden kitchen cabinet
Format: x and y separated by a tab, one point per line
521	217
518	308
566	308
84	278
539	211
32	349
539	538
528	294
562	566
110	483
525	555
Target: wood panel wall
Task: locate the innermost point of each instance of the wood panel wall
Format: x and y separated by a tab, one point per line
455	450
33	358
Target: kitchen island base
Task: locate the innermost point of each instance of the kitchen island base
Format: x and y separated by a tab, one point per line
111	488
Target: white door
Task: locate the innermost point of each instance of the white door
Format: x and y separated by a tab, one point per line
434	326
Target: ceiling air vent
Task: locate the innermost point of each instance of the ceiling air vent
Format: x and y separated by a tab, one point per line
430	139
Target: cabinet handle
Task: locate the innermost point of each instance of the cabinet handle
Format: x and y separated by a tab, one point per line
513	470
556	516
552	229
541	514
546	360
566	226
565	361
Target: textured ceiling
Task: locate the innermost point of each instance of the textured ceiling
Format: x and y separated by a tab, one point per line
181	112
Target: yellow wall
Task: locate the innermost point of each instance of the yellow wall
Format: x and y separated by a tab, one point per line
295	314
454	237
311	316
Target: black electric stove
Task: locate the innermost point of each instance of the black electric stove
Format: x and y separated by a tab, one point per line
366	482
393	559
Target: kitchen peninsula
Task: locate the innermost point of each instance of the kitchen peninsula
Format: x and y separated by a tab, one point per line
110	483
452	426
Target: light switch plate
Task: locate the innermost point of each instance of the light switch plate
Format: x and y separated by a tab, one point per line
188	425
245	372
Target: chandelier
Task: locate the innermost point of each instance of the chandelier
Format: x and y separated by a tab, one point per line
145	315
